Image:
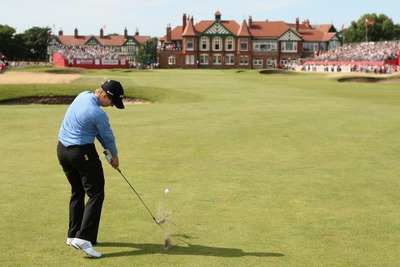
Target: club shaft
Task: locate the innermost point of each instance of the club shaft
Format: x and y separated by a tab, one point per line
152	216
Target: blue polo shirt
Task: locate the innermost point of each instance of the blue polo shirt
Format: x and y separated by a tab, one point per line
84	121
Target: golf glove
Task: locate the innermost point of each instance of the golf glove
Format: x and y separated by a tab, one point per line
108	155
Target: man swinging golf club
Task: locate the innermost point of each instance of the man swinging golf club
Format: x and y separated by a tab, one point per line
84	122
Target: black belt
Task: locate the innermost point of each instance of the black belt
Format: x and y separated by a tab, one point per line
78	146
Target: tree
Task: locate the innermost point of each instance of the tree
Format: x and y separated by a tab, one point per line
7	41
35	43
396	32
147	52
372	27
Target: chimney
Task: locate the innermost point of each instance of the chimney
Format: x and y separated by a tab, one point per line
125	34
101	33
76	33
307	23
250	22
184	20
297	24
169	34
137	32
60	33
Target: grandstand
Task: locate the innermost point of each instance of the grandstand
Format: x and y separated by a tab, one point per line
90	51
372	57
88	56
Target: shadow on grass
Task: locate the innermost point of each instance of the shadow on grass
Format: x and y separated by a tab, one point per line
199	250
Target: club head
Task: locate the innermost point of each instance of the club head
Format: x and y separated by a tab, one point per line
159	222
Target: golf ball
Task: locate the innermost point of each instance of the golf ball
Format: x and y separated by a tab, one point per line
166	191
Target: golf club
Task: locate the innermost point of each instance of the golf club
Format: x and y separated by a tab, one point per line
159	222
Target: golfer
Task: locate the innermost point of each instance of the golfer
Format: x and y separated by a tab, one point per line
84	121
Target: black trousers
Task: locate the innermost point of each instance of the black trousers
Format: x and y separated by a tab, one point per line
82	166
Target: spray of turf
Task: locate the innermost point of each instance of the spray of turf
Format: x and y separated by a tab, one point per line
167	242
169	226
169	221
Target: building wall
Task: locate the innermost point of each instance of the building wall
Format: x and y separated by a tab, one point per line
267	52
164	57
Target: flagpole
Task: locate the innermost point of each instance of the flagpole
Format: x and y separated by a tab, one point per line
366	32
343	33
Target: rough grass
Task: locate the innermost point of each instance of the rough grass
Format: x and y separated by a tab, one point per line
264	170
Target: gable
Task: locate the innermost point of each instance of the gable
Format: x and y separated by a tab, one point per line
92	41
289	36
335	38
131	42
54	41
217	29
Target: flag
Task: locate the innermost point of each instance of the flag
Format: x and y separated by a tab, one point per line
343	27
104	26
368	22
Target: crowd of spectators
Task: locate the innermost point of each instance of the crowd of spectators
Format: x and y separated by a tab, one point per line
86	52
349	67
367	51
171	46
15	64
368	57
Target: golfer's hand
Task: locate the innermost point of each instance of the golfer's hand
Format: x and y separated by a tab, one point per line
115	162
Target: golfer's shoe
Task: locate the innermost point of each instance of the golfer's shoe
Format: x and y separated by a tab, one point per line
86	247
69	241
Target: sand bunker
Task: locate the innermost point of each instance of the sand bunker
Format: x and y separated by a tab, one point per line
10	77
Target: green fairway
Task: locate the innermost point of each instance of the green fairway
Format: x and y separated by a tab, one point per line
263	170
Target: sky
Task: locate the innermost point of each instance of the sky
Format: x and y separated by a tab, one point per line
151	17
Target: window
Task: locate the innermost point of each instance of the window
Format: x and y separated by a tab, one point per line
172	60
257	63
204	43
243	60
230	44
333	44
217	44
289	47
189	60
204	59
217	59
131	49
310	47
230	59
244	43
271	62
322	47
264	46
285	61
189	44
